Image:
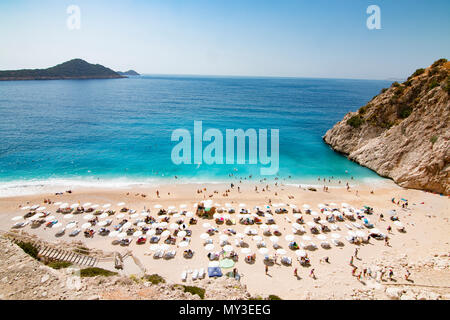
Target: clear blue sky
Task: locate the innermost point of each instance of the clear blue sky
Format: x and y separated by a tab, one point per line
300	38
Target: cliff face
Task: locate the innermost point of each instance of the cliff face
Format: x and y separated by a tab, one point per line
404	132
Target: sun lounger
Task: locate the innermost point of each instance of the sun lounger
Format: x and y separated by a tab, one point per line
195	274
357	225
348	227
184	276
201	273
286	261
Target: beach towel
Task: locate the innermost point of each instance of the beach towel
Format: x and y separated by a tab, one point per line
214	272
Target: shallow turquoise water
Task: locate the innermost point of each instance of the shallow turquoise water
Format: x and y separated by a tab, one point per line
120	129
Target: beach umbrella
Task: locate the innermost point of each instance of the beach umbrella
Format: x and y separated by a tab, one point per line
154	247
17	218
102	223
173	226
274	227
134	215
68	216
137	234
300	253
41	208
157	206
171	208
75	205
103	215
296	226
64	206
274	239
223	237
206	225
87	204
204	236
58	225
88	216
217	216
311	224
189	214
163	224
242	205
263	250
120	215
297	215
245	250
183	244
113	233
127	225
289	237
151	232
263	226
257	238
141	224
228	205
71	225
351	233
227	248
281	251
306	238
95	206
181	234
361	234
322	237
50	218
106	205
314	213
122	235
398	224
86	225
183	206
306	207
293	206
25	208
209	247
165	233
268	216
335	235
214	264
144	213
121	204
240	235
375	231
345	205
321	206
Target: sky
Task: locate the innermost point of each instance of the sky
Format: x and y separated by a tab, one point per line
283	38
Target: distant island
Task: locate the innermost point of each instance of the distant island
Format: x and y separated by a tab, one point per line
128	73
73	69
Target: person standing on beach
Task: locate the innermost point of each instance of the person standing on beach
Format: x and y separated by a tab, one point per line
312	274
267	269
386	242
391	274
356	253
351	261
295	273
407	275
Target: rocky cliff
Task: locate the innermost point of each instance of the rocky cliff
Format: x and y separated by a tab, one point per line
404	132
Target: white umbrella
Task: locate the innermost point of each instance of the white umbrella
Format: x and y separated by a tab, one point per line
206	225
122	235
345	205
257	238
306	207
281	251
75	205
189	214
88	216
242	205
300	253
214	264
64	206
361	234
120	215
25	208
154	247
245	250
217	216
158	206
204	236
95	206
121	204
181	234
335	235
17	218
321	206
87	204
102	223
58	225
398	224
183	244
223	237
134	215
311	224
228	205
240	235
113	233
171	208
209	247
103	215
127	225
314	213
50	218
71	225
151	232
144	213
293	206
163	224
297	215
141	224
165	233
183	206
173	226
263	226
86	225
322	237
289	237
274	239
351	233
306	238
274	227
375	231
137	234
68	216
228	248
296	226
106	205
263	250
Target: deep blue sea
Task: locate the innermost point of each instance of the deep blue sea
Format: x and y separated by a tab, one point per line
117	131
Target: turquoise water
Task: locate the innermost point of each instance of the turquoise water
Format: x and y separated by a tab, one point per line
120	130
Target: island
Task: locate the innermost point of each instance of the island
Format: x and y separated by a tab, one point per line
128	73
73	69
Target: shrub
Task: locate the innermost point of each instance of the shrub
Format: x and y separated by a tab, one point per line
29	249
447	86
362	110
94	271
418	72
433	139
404	111
274	297
433	84
355	121
384	90
396	84
439	62
195	290
155	279
59	264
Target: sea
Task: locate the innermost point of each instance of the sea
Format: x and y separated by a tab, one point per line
118	132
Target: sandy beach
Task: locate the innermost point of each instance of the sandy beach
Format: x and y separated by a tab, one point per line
425	221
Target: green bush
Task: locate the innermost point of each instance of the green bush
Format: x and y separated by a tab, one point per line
362	110
439	62
384	90
404	111
433	139
195	290
94	271
29	249
418	72
155	279
396	84
274	297
59	264
355	121
433	84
